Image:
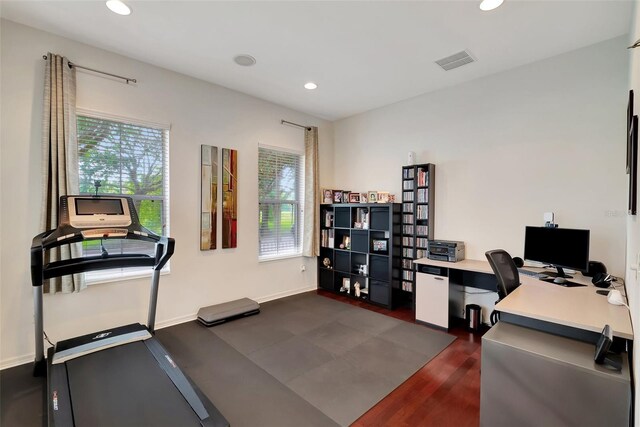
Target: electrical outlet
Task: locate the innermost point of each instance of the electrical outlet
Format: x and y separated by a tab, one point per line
303	268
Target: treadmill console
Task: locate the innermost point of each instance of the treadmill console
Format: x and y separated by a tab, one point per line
85	217
95	212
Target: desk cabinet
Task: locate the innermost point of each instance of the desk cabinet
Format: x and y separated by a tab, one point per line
532	378
432	297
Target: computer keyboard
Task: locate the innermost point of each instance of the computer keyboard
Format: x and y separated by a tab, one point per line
528	272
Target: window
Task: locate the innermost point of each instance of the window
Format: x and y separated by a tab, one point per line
128	159
281	198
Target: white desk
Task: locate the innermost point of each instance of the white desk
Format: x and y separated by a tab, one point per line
574	307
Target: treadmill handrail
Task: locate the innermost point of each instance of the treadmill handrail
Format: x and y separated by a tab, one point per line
39	271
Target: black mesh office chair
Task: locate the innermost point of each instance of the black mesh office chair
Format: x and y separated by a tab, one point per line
506	272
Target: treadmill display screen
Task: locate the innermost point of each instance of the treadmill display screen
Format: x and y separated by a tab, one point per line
98	207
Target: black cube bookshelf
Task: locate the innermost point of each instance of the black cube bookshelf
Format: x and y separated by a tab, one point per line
361	243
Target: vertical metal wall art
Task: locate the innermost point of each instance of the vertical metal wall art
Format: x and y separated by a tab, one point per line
229	198
209	197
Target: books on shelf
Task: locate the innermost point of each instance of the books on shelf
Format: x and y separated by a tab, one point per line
327	238
407	241
407	286
407	252
407	275
407	185
422	242
421	230
407	173
407	196
407	229
407	264
422	212
407	218
407	207
423	195
422	180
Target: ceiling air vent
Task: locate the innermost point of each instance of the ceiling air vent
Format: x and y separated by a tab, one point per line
456	60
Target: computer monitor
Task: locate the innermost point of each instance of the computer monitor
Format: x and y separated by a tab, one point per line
560	247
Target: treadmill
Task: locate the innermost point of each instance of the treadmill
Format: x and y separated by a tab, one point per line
121	376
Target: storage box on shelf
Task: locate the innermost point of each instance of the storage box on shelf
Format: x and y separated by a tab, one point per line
360	251
418	182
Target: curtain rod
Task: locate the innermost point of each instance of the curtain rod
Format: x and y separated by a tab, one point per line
71	65
295	124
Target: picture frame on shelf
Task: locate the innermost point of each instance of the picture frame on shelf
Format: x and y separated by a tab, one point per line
373	197
337	196
354	197
364	197
383	197
327	196
379	245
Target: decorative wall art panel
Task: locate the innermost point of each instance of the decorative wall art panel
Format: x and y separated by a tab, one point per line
229	198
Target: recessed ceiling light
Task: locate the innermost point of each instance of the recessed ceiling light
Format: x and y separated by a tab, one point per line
118	7
310	85
245	60
488	5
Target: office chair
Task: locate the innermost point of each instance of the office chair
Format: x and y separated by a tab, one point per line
507	274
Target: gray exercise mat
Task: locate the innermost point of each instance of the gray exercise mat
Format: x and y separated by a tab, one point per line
243	392
340	358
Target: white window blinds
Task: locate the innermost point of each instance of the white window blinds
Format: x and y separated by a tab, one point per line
281	198
129	159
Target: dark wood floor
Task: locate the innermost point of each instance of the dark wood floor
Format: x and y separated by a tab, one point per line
445	392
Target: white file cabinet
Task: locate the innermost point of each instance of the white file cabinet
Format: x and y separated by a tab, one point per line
432	296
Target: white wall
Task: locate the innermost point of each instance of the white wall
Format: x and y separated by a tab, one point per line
633	225
548	136
199	113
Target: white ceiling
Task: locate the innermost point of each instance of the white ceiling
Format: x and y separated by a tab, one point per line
362	55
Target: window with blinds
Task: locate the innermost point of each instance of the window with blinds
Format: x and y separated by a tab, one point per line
281	199
128	159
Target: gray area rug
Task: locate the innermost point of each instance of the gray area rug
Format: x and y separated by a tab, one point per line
335	357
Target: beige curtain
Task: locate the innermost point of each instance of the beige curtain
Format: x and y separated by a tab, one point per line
311	242
59	160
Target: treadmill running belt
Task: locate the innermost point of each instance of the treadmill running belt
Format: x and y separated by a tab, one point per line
106	388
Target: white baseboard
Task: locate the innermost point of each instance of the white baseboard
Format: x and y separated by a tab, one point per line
176	321
286	294
19	360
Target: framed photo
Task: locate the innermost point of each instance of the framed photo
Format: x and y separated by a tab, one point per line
327	196
337	196
364	197
354	197
629	126
379	245
383	197
373	197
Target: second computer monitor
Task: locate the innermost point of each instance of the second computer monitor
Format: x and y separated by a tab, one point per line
560	247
